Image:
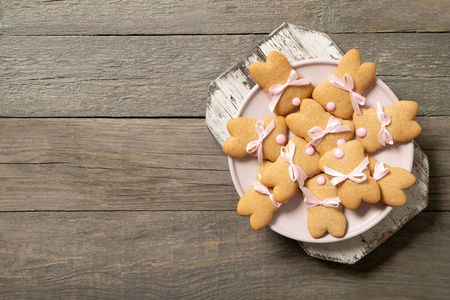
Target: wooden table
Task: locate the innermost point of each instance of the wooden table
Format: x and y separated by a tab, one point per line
112	187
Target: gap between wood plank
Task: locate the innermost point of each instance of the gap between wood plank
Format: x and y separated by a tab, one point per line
220	34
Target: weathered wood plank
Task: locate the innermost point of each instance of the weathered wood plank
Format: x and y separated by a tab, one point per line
141	164
206	255
21	17
112	76
168	76
433	135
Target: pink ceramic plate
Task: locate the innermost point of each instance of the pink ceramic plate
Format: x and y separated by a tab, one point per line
290	219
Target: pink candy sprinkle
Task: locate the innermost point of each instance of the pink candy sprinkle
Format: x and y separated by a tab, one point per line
321	180
340	142
281	139
361	132
309	151
339	153
296	101
331	106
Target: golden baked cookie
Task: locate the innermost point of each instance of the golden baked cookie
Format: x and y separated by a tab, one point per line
354	75
379	126
277	71
392	182
324	207
290	169
319	128
347	166
258	202
245	139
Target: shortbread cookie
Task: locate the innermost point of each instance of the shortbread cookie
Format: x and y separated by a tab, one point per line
291	169
379	126
283	85
324	207
341	93
319	128
392	182
347	166
258	202
256	138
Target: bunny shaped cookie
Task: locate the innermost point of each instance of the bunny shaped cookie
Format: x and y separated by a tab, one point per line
290	170
379	126
263	139
347	165
258	202
392	182
324	207
341	93
281	82
319	128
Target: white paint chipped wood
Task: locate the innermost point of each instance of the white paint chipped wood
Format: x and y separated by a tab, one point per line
229	90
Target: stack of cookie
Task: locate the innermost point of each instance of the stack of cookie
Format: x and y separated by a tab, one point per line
322	160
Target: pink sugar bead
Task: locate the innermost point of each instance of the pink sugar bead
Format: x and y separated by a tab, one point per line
296	101
331	106
339	153
361	132
340	142
310	151
321	180
281	139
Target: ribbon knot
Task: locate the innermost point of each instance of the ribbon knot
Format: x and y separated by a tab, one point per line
312	200
277	90
385	137
380	171
346	84
262	189
333	126
256	145
357	175
295	172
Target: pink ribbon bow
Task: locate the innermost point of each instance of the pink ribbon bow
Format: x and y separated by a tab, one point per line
346	84
277	90
357	175
312	200
262	189
385	136
333	126
380	171
295	172
256	145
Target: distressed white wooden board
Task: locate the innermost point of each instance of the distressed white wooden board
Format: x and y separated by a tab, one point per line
229	90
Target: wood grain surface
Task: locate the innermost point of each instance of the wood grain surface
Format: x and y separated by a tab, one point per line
22	17
111	187
152	255
135	76
141	164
